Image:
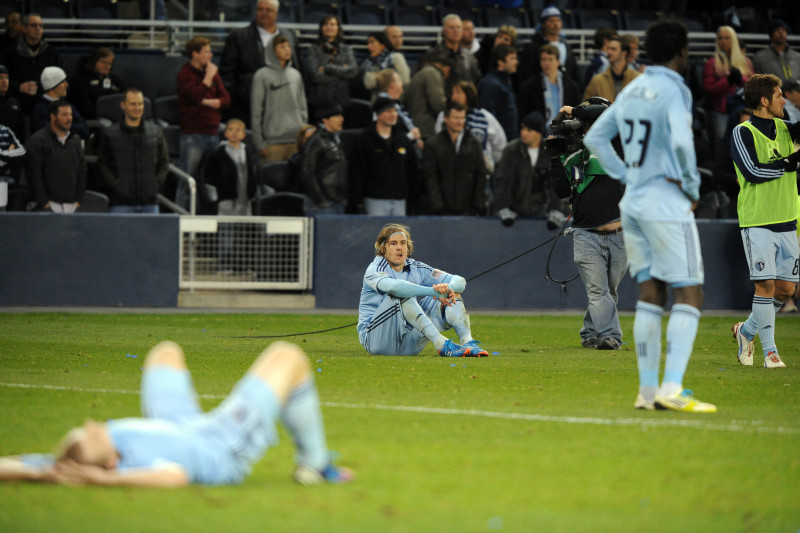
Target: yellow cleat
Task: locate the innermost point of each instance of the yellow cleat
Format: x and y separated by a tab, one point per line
685	402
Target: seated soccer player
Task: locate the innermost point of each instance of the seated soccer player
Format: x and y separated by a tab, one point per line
176	443
405	303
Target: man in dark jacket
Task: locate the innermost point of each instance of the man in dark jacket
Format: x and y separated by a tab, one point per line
243	55
133	159
453	168
324	175
550	34
495	93
27	59
385	169
56	167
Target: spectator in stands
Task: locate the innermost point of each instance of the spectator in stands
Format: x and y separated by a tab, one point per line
11	155
778	58
201	98
453	168
382	56
479	122
632	41
505	35
228	169
95	80
390	85
13	28
56	167
384	173
603	37
520	184
395	36
244	53
324	177
54	87
329	66
791	93
10	110
610	82
495	93
132	159
278	103
425	94
26	60
468	40
294	170
547	92
723	74
550	33
465	65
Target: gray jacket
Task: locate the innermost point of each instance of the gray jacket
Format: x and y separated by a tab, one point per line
425	99
277	103
768	61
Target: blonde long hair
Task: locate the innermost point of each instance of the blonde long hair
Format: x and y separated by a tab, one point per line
722	65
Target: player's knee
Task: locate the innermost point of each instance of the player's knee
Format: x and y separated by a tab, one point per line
166	353
284	354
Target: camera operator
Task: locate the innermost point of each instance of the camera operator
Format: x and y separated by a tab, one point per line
598	247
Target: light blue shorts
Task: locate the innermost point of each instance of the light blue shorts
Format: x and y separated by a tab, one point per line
771	254
666	251
243	425
390	334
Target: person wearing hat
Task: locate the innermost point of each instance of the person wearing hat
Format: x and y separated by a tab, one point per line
550	33
382	56
26	59
778	58
54	87
520	179
385	172
278	104
598	246
324	176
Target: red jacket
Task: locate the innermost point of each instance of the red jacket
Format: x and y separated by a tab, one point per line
196	118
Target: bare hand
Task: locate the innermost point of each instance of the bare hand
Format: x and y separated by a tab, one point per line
448	297
211	70
567	109
415	133
70	472
213	103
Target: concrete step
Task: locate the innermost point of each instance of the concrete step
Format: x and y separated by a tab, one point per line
245	299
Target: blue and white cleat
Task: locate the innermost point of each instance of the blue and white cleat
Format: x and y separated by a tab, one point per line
475	349
306	475
451	349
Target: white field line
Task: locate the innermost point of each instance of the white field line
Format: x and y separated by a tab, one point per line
736	426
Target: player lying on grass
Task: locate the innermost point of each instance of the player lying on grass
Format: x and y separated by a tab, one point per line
176	443
405	303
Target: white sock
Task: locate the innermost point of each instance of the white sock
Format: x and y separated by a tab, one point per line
764	317
458	318
415	316
647	337
302	417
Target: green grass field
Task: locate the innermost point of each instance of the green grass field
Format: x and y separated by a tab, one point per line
539	437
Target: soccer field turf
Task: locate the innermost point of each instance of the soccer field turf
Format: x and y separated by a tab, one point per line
540	436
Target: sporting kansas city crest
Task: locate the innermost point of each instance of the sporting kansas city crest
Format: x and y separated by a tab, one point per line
759	265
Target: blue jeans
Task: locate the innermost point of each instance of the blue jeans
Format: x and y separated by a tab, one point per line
192	146
148	208
602	263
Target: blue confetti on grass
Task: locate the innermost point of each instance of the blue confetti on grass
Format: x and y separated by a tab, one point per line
495	353
453	364
319	370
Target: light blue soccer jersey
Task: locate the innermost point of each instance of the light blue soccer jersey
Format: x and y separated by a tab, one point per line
653	117
414	271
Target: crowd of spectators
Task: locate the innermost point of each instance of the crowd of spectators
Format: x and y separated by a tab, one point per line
455	109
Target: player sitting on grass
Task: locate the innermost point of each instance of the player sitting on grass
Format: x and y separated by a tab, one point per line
177	443
406	303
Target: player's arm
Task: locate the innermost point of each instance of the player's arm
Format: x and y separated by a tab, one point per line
598	140
682	142
405	289
69	472
743	153
13	468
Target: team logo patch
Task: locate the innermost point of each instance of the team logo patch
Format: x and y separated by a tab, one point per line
401	150
759	265
437	274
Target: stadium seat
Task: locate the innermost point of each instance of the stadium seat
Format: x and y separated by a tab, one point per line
358	113
287	12
313	13
108	107
237	10
167	111
272	175
172	132
280	204
405	15
513	17
97	9
11	6
366	15
640	20
348	137
51	9
93	202
591	19
696	21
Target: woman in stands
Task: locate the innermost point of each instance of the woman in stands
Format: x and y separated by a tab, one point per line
330	65
382	56
480	122
93	81
724	72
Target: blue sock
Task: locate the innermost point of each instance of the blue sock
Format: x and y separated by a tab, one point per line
681	331
458	318
302	417
752	325
647	337
764	318
415	316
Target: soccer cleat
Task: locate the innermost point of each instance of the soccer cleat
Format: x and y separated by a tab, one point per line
475	350
684	401
745	354
641	403
590	342
608	343
451	349
305	475
773	360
